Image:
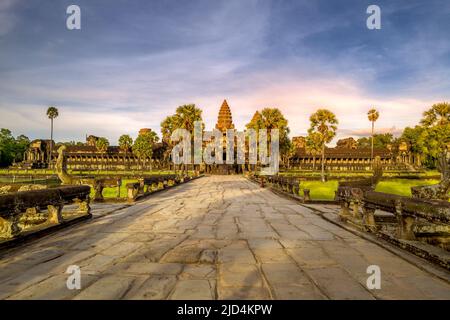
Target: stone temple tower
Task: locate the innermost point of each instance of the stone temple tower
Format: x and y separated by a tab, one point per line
225	120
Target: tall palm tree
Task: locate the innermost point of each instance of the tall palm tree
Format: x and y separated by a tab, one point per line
102	145
313	146
52	113
372	115
272	118
186	115
324	123
125	143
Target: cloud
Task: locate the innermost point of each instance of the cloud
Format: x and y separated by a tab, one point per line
117	77
7	18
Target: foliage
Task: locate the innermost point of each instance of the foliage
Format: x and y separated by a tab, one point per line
125	142
430	139
324	125
373	115
143	145
52	113
102	144
380	140
184	118
12	149
313	143
273	118
168	125
270	118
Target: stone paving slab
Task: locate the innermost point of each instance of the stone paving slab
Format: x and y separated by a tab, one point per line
219	237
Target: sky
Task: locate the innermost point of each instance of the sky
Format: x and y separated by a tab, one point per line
133	62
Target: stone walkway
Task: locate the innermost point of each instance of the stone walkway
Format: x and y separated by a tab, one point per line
219	237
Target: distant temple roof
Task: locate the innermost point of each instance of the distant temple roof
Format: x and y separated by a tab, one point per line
225	120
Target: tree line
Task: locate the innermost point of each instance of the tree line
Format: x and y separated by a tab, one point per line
430	138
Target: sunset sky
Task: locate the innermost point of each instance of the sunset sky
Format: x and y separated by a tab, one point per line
133	62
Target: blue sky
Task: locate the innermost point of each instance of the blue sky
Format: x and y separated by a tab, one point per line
133	62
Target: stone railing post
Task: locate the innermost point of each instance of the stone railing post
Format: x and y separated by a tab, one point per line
132	191
344	214
84	207
98	188
296	189
405	223
355	208
9	228
368	217
306	195
55	214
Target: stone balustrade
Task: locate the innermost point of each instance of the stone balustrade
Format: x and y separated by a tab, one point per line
150	184
41	208
359	205
287	184
290	185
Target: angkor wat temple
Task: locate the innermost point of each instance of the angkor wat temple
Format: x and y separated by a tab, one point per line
345	156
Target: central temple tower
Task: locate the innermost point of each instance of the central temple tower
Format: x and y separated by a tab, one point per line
225	120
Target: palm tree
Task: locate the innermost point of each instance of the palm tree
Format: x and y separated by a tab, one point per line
324	123
184	118
272	118
52	113
313	146
102	145
372	115
143	146
186	115
125	143
437	115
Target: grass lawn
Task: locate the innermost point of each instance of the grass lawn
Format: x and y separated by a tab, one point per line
402	187
320	190
112	192
325	190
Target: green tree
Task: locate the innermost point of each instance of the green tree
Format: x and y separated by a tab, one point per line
6	147
313	146
372	115
125	144
324	123
184	118
414	137
273	118
256	123
380	140
52	113
436	133
143	147
12	149
102	144
186	115
168	126
20	147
